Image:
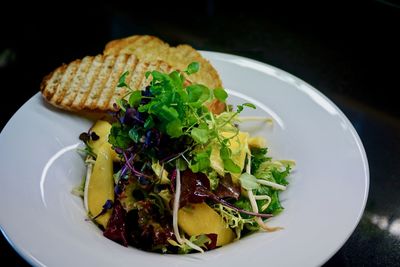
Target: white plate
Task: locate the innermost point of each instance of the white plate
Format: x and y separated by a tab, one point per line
325	200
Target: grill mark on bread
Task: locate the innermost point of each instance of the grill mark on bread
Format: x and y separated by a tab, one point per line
77	81
65	81
111	84
138	75
100	82
91	77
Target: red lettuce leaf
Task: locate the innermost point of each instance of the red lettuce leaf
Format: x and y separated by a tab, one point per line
116	229
227	189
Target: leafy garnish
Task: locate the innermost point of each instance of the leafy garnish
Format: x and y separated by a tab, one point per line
200	135
201	161
193	68
241	107
172	147
220	94
280	176
259	155
135	98
248	181
233	218
119	136
121	81
275	206
229	165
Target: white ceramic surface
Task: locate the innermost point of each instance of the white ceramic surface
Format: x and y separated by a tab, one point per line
326	197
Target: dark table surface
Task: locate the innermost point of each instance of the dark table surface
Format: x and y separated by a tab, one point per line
346	49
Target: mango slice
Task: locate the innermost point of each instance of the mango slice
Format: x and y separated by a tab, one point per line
102	129
196	219
239	148
101	185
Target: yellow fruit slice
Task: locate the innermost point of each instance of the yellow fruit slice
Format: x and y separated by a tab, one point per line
100	186
197	219
102	129
215	159
239	149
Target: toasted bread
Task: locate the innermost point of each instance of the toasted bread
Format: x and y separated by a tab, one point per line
150	48
90	84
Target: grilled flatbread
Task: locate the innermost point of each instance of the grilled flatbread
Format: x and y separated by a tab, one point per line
150	48
90	84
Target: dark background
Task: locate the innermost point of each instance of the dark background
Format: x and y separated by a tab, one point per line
349	50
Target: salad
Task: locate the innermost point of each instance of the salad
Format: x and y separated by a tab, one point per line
172	172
